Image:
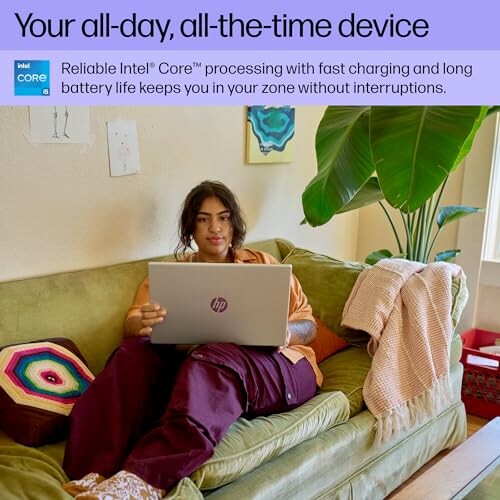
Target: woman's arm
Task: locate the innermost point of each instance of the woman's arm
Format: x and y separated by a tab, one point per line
301	332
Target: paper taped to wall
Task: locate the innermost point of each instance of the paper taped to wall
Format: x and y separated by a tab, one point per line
123	148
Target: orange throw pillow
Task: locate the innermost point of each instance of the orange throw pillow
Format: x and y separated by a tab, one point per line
326	342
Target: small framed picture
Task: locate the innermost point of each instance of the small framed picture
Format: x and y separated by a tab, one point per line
270	133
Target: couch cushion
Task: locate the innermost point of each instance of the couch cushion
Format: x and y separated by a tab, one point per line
460	295
28	473
327	283
278	248
455	349
39	383
183	490
34	473
249	444
87	306
346	371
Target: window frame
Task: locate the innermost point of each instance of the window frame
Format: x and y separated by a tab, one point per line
491	247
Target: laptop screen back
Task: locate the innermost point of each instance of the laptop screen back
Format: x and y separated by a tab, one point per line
246	304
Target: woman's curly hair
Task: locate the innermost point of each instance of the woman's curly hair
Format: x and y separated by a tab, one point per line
191	207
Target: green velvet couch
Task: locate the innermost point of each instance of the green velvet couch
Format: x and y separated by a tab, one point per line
323	449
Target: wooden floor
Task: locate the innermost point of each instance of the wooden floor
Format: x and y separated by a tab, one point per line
473	425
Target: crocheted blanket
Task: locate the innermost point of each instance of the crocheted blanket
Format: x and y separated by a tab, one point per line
405	307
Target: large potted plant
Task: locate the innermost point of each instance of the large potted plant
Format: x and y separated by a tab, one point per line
396	155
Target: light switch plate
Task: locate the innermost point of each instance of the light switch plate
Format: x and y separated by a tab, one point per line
123	148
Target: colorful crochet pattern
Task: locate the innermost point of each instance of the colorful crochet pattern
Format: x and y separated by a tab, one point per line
43	375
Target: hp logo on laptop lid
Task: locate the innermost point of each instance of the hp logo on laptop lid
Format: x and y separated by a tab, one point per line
218	304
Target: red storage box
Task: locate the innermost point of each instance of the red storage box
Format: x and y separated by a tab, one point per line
481	382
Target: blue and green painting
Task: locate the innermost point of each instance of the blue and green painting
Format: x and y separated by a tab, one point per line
270	130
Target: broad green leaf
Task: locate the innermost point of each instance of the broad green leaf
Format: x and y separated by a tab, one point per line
467	145
373	257
454	212
369	193
492	109
447	255
344	162
415	148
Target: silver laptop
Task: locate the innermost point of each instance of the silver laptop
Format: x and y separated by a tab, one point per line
246	304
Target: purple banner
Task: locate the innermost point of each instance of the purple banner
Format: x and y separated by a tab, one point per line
243	77
236	25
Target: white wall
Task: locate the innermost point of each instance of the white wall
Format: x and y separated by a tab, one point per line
61	210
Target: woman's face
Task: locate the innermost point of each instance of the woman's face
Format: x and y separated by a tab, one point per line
213	231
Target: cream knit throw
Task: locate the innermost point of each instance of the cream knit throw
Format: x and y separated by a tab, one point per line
406	308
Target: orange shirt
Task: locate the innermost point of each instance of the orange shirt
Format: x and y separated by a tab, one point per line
298	309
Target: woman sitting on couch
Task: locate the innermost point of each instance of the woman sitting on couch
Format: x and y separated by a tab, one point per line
155	413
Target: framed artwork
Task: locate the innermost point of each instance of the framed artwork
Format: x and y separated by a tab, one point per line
270	133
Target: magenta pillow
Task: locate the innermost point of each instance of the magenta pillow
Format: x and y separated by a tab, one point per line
39	383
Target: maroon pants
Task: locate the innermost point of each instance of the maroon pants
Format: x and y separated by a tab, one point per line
159	414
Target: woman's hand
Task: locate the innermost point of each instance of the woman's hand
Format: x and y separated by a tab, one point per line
152	314
142	325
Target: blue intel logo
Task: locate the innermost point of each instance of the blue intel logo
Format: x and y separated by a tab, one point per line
31	77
